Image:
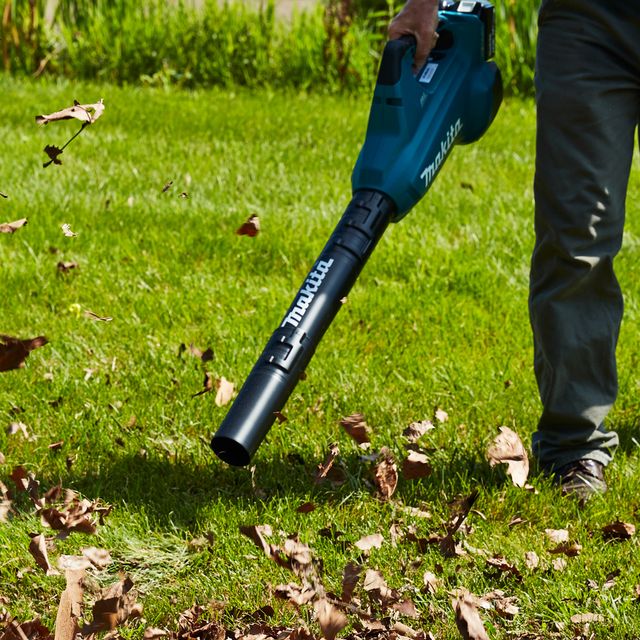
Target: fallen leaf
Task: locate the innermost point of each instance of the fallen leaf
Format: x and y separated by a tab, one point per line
374	541
251	227
431	582
570	549
507	448
386	474
559	564
503	566
224	391
356	427
66	230
468	619
557	535
585	618
406	608
306	507
330	618
14	351
416	465
531	560
12	227
618	531
38	549
375	585
19	427
417	429
87	113
152	633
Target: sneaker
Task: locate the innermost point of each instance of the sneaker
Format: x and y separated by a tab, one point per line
581	479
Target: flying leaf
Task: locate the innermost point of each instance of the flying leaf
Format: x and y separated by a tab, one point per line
356	427
441	416
38	549
11	227
386	474
207	385
251	227
584	618
570	549
295	593
224	391
507	448
256	533
350	577
330	618
468	619
14	351
86	113
66	230
325	468
70	607
116	604
167	186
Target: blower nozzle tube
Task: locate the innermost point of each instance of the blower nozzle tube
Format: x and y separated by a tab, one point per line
278	369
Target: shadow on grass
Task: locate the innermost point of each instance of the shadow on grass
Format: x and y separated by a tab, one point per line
177	491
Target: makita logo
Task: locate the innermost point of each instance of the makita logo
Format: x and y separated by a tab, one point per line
308	292
445	146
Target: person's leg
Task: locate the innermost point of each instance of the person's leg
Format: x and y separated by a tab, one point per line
588	101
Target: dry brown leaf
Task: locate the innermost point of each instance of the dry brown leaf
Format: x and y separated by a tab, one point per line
417	429
99	558
406	608
618	530
557	535
356	426
66	267
19	427
70	607
116	604
86	113
167	186
53	152
570	549
12	227
306	507
38	549
256	533
416	465
295	593
431	582
375	540
468	619
96	317
152	633
251	227
559	564
531	560
224	391
585	618
441	416
350	578
375	585
503	566
330	618
207	385
507	448
386	474
326	470
66	228
293	555
14	351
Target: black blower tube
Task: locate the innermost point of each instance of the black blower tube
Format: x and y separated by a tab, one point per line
277	371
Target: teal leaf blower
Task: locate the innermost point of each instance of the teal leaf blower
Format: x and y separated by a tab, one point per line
414	123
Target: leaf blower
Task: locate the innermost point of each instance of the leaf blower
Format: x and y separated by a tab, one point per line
414	122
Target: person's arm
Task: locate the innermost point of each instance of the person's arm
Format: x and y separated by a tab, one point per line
418	18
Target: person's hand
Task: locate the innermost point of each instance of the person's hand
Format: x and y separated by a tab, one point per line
418	18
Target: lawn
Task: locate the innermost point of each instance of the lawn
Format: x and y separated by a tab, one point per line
437	324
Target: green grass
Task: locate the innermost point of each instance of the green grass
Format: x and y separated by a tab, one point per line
438	319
